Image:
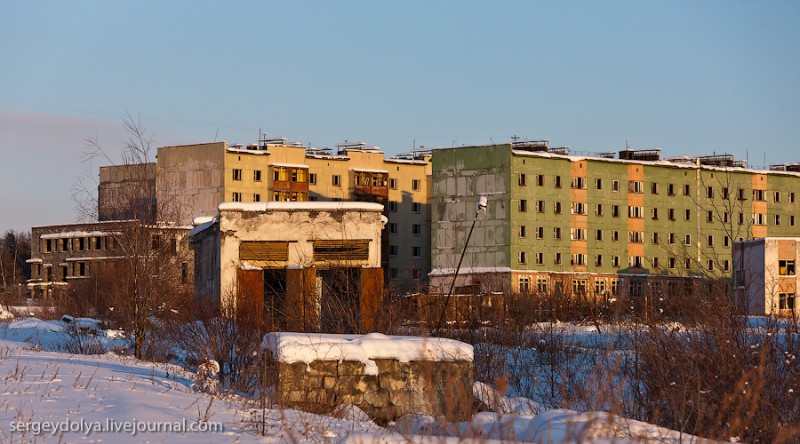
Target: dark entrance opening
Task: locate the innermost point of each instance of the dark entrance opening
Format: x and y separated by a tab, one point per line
340	308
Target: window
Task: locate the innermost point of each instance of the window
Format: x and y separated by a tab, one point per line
540	206
336	180
416	229
635	287
635	186
598	184
636	237
541	284
599	210
416	207
777	219
726	265
777	196
654	188
415	184
726	241
539	258
786	267
791	221
599	285
671	263
416	251
671	239
655	262
392	228
81	244
759	219
740	194
155	242
522	231
671	214
579	286
557	259
710	240
654	213
557	233
540	180
710	265
578	208
655	238
786	301
394	273
523	258
48	245
615	261
522	180
709	216
615	236
614	185
635	212
741	218
687	240
393	207
237	174
256	197
257	176
725	217
671	189
687	214
758	195
791	197
578	259
393	184
614	210
598	235
615	282
237	197
393	250
577	234
687	190
523	205
81	268
312	178
524	284
557	208
557	181
710	192
578	183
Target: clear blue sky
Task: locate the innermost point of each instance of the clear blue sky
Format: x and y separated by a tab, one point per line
686	76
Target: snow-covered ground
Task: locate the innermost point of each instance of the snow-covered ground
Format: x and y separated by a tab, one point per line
47	395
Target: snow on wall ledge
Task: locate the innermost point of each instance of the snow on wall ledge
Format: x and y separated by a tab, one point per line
300	206
291	348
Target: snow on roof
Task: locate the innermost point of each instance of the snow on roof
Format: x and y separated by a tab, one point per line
299	206
470	270
202	227
292	348
407	161
245	151
33	260
289	165
200	220
68	234
367	170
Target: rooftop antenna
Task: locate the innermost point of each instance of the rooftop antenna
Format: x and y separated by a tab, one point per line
414	144
216	135
627	147
515	137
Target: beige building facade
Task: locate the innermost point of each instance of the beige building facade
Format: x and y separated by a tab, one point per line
200	177
765	275
304	265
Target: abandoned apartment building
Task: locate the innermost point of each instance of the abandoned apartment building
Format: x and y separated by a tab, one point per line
302	266
62	255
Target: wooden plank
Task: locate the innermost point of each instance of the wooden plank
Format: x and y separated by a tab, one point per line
264	250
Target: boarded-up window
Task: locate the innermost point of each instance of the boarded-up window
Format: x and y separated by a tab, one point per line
341	250
264	251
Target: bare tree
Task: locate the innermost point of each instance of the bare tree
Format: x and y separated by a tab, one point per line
147	280
15	250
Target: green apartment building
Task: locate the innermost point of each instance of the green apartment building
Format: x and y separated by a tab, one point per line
598	224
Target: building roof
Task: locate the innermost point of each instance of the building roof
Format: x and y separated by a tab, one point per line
299	206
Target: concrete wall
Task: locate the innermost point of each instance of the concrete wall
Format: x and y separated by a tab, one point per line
191	179
400	388
127	192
